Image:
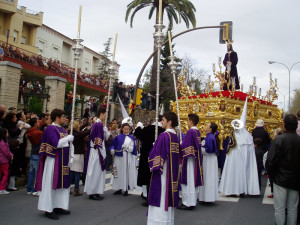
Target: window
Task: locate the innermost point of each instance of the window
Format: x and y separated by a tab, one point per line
86	66
15	36
23	40
55	52
41	45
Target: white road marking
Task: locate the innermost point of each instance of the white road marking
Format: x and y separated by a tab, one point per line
267	200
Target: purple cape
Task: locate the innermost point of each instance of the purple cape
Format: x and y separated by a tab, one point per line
97	137
119	141
48	148
210	144
191	147
165	148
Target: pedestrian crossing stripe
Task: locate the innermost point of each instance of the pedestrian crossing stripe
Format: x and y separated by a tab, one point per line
267	200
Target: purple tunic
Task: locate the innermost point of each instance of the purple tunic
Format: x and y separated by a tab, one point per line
165	148
49	142
191	147
97	137
119	141
210	144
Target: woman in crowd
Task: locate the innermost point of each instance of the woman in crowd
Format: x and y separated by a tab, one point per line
5	157
79	151
124	148
10	123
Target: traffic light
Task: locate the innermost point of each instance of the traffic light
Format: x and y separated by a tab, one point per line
225	32
139	96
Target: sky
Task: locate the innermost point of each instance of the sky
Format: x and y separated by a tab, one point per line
263	30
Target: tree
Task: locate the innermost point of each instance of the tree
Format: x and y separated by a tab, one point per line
295	106
176	10
197	77
104	65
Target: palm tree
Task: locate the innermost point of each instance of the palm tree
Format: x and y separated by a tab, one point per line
176	10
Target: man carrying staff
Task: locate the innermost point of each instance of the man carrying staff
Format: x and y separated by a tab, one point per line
164	165
53	176
94	166
192	172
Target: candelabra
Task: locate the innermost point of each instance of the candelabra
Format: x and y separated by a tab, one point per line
220	75
273	89
112	74
159	39
173	66
77	48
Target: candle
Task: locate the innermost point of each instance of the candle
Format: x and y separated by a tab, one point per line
214	67
115	46
209	78
79	21
220	59
160	11
242	87
259	92
254	80
270	75
276	82
170	43
255	89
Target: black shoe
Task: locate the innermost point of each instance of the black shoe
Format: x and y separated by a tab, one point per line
51	216
100	197
145	204
184	207
125	193
61	211
119	192
94	197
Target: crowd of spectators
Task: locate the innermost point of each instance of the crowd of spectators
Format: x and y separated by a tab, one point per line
52	65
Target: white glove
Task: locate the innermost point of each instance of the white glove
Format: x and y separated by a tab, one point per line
105	129
70	138
71	158
112	152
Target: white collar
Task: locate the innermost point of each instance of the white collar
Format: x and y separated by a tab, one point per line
98	120
171	130
54	124
194	128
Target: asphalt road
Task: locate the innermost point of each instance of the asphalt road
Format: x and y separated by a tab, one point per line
18	208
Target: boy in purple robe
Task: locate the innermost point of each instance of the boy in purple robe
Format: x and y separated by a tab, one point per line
209	192
192	171
53	173
123	147
164	165
94	165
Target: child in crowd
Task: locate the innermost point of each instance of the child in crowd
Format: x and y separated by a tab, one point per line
5	157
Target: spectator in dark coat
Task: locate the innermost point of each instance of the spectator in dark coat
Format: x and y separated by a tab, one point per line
260	132
259	153
284	169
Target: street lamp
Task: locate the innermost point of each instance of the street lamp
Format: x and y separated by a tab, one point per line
284	98
289	69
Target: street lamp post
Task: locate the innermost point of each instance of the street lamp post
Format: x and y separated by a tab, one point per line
284	97
289	69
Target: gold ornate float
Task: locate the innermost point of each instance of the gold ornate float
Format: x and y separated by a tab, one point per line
222	107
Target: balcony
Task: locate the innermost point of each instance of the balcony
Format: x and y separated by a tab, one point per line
8	6
30	16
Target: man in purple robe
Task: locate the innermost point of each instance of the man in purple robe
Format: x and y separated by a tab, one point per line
230	61
94	165
164	165
52	178
192	172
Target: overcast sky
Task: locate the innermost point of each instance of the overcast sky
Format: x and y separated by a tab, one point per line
263	30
